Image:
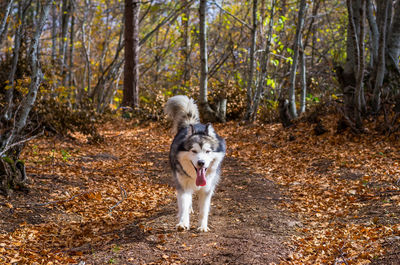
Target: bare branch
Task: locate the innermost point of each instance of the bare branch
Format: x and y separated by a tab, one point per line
232	15
8	147
172	17
123	196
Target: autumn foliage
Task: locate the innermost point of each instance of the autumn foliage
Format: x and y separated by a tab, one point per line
323	190
342	190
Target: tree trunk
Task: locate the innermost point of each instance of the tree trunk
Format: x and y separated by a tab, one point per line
264	65
36	75
312	31
106	76
4	21
88	69
8	139
374	32
22	8
296	45
353	29
186	46
207	113
393	47
303	94
131	67
12	175
383	9
352	76
66	5
360	73
71	50
250	73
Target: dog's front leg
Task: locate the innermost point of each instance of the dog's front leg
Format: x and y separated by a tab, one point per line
185	205
204	205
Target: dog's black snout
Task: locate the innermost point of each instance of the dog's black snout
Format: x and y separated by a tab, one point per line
200	163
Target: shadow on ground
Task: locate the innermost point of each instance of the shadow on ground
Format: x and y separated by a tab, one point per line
246	226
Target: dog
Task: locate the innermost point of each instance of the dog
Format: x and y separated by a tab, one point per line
195	156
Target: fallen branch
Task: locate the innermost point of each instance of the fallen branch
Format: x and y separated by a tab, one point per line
123	196
341	254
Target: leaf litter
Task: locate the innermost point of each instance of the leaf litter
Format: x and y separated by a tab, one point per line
343	190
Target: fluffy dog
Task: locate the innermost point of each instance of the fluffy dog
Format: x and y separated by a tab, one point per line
195	156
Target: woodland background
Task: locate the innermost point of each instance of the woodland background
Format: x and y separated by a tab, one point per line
71	68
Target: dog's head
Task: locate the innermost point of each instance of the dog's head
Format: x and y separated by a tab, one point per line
202	147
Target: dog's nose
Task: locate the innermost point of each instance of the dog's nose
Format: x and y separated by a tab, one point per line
200	163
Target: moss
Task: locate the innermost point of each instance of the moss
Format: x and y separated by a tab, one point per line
10	162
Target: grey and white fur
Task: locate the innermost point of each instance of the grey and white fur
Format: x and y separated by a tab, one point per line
195	156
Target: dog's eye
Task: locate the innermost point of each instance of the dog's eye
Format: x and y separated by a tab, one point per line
194	151
208	151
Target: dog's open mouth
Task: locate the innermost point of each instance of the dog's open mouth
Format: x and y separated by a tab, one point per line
201	176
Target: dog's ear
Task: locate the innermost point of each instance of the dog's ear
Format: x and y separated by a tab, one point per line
191	130
210	130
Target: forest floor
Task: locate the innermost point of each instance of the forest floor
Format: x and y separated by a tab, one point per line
286	196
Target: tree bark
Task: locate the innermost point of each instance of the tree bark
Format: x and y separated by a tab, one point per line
186	46
12	175
303	79
383	9
22	9
352	42
4	21
37	75
250	72
296	45
312	30
360	74
8	138
71	48
87	53
53	32
393	47
106	75
131	67
374	32
65	9
207	113
264	65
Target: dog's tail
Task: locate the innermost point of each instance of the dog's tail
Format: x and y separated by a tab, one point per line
182	111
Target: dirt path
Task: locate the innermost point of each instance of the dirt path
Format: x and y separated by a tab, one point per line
113	203
92	222
246	227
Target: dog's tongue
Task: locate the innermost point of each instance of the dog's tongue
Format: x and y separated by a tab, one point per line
201	177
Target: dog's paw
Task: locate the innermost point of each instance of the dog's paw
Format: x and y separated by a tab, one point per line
181	226
203	229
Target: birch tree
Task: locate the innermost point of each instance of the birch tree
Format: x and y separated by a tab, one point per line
384	35
12	139
380	62
22	10
296	50
264	65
